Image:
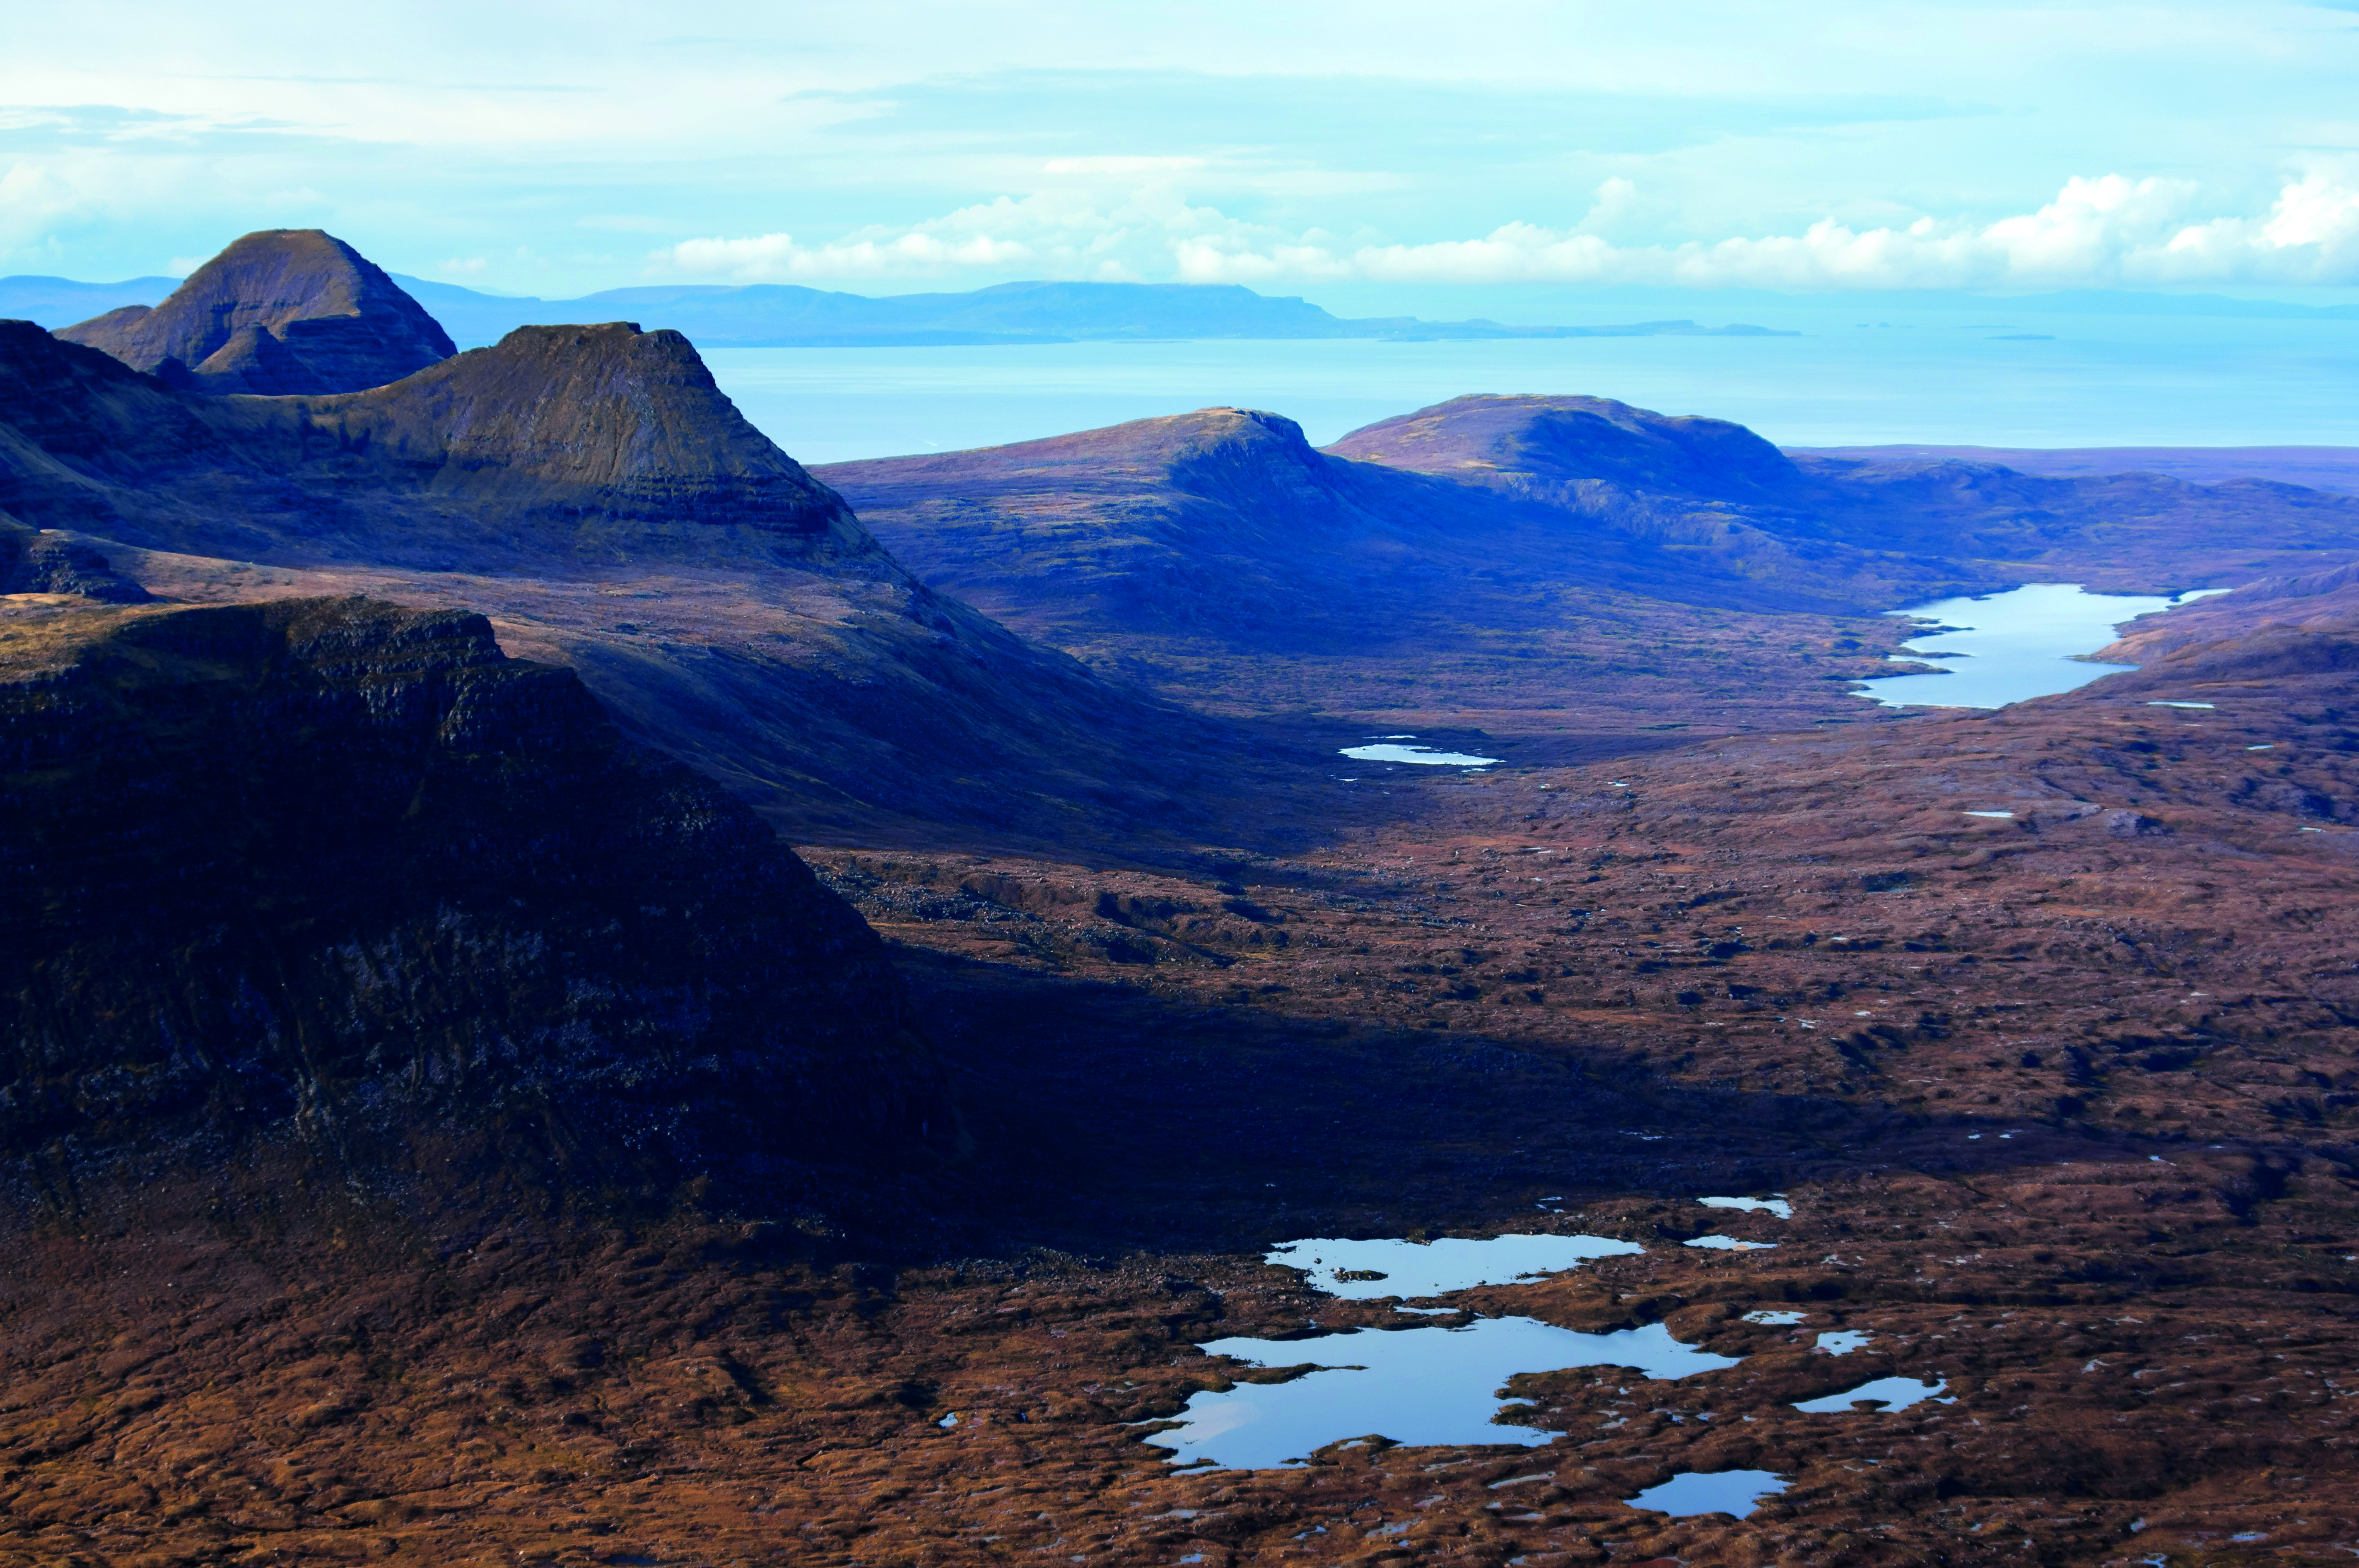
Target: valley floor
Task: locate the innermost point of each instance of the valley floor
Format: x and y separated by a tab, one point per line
2061	1100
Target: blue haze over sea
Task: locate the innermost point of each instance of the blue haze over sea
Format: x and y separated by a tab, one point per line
1933	377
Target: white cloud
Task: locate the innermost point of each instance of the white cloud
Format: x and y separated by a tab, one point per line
41	196
2098	232
1058	233
1129	167
780	258
2102	232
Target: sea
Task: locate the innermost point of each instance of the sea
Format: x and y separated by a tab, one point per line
1845	378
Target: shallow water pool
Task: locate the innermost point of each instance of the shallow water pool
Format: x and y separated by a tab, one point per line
1737	1492
1385	752
1897	1394
1414	1269
2006	647
1414	1386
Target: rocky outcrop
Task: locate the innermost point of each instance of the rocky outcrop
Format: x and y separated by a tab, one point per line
33	562
339	879
284	311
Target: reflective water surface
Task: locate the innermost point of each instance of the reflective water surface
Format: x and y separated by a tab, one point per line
1414	1269
1411	1385
1384	751
1734	1492
1897	1394
2006	647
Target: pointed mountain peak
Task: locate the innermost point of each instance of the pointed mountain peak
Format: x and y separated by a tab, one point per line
283	311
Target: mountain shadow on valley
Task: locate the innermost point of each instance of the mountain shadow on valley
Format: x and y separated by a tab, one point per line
329	886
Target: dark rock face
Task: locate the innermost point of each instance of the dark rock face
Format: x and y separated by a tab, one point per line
340	877
33	562
605	440
284	311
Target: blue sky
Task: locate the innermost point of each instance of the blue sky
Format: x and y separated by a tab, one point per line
1376	154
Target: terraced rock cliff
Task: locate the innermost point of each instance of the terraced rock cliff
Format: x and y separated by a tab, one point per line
334	887
34	562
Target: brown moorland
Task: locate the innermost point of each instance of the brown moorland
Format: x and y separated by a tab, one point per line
440	1131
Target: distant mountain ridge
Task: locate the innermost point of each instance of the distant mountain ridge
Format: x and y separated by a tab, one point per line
770	315
2318	468
57	301
777	315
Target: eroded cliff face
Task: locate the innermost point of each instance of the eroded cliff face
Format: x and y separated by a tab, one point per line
34	562
282	311
340	882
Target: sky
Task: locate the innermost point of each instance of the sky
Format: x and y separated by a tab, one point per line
1375	153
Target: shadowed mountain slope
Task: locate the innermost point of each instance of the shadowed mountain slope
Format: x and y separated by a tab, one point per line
1527	565
592	490
283	311
2284	613
1227	520
2144	532
2318	468
34	562
1220	557
335	882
